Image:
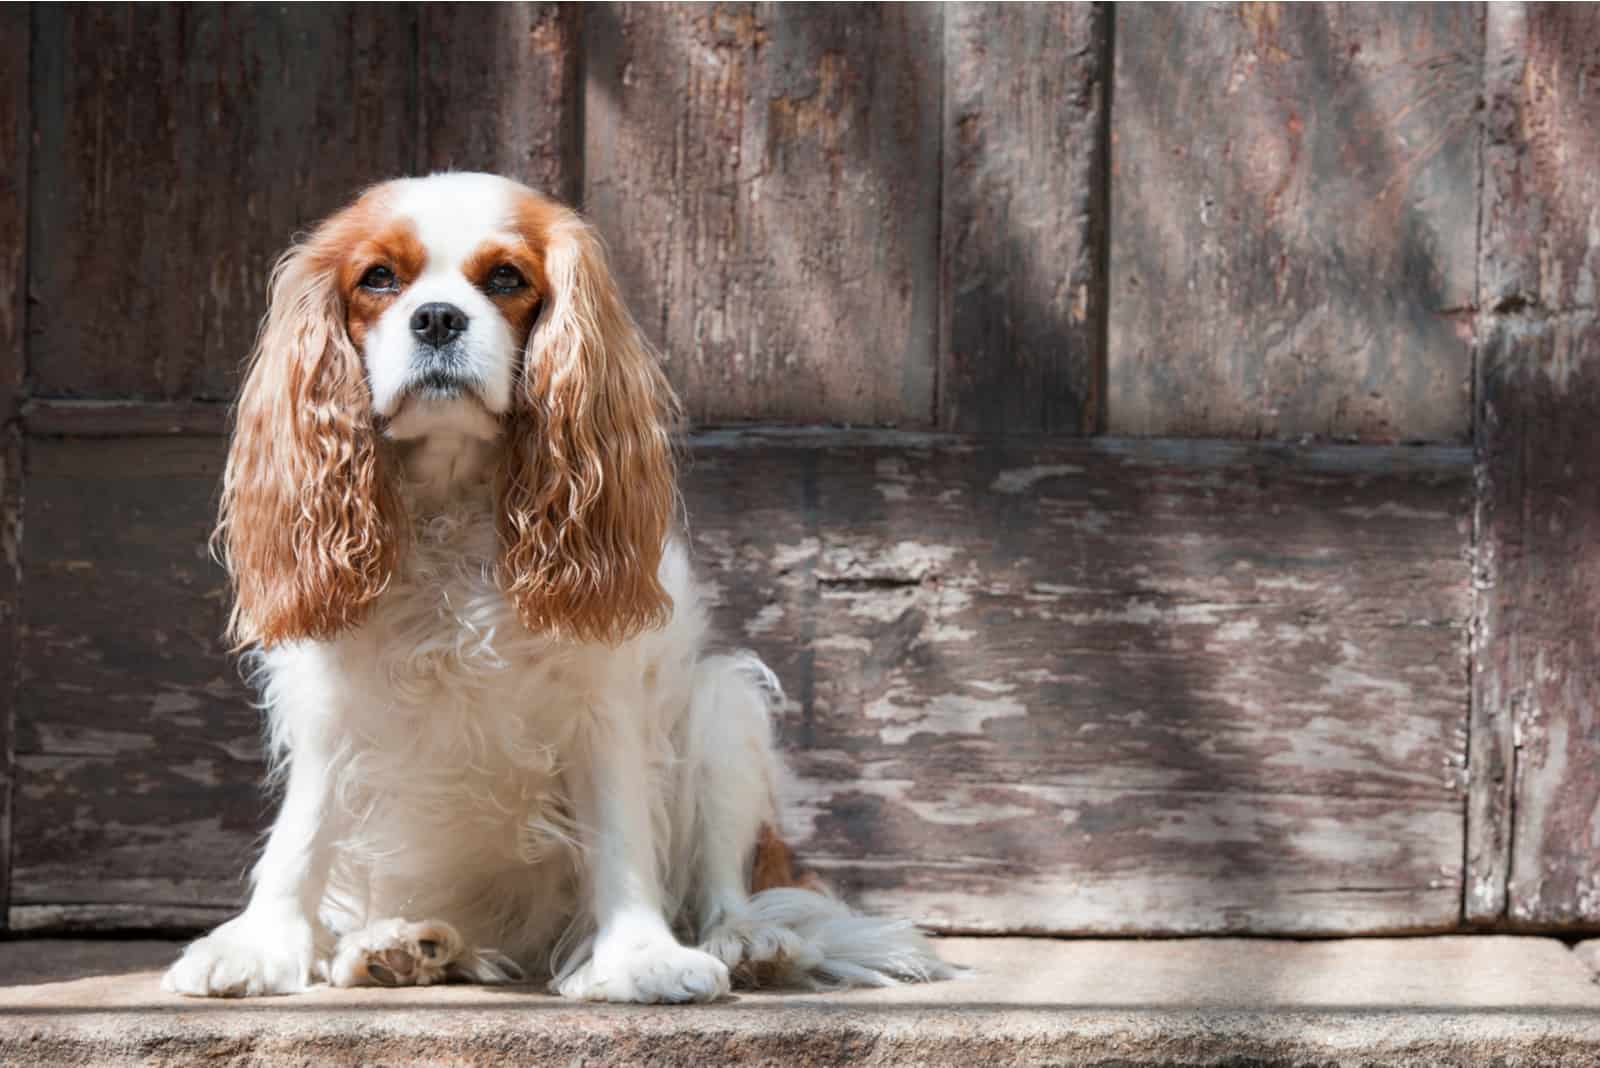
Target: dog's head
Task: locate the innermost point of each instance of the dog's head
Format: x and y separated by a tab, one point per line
458	304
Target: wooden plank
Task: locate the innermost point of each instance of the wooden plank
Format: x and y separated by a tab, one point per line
116	419
14	144
15	124
1534	809
498	91
34	921
182	147
767	178
1536	789
1022	256
1091	686
1293	189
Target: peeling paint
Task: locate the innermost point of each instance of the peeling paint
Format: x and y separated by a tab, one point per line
1023	479
943	714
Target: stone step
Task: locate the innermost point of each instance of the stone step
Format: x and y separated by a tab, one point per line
1408	1001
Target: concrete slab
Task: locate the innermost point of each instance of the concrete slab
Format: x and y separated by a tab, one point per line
1588	952
1425	1001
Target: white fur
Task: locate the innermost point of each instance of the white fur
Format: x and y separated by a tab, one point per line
564	810
452	214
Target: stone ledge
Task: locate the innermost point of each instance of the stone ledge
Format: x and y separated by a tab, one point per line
1423	1001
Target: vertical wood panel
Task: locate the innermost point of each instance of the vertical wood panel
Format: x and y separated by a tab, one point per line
499	91
768	180
1534	817
14	137
1292	195
179	148
1024	171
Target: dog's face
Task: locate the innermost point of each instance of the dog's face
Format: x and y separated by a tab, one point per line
442	287
457	303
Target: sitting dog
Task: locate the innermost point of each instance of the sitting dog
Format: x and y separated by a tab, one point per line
448	515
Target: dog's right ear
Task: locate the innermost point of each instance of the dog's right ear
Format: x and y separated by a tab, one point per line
309	521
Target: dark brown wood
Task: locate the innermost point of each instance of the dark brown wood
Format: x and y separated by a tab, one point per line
178	150
1293	193
113	419
1099	686
1541	176
1535	787
1023	287
139	753
14	145
56	920
499	91
768	180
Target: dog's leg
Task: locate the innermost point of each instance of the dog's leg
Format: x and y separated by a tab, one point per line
396	952
270	948
787	932
633	955
731	769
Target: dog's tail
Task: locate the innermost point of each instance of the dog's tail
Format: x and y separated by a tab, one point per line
836	946
794	932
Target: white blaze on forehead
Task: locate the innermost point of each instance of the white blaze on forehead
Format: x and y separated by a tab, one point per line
456	213
453	215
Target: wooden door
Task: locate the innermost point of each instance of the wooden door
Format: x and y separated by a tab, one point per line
1086	401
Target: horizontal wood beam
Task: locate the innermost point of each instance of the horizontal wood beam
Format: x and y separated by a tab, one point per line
1087	686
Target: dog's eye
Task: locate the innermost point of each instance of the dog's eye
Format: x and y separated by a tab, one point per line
379	278
505	279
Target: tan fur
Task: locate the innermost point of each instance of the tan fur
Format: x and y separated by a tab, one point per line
310	523
587	478
774	864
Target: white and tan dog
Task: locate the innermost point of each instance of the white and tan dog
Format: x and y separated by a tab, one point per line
449	517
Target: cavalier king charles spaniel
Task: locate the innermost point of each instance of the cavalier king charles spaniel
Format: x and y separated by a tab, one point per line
448	515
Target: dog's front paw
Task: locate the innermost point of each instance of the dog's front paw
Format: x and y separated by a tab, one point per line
656	972
249	956
397	952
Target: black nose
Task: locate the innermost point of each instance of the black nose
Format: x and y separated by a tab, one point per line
438	323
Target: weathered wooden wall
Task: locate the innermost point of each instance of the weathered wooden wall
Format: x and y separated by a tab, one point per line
1023	231
1292	203
14	127
1036	683
1033	685
1535	818
768	178
176	151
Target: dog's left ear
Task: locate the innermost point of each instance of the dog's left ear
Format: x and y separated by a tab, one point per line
587	482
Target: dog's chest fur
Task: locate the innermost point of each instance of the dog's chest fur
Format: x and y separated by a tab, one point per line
456	725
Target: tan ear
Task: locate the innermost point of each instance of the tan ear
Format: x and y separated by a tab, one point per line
587	484
308	520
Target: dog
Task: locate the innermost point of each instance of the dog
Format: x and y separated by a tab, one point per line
449	516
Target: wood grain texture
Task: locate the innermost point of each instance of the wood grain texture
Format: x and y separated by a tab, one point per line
1541	182
767	178
1536	680
1023	222
139	752
1098	686
15	124
1293	189
115	419
499	92
179	149
1535	786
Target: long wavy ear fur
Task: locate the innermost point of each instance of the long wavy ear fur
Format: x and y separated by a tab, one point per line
308	526
587	485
